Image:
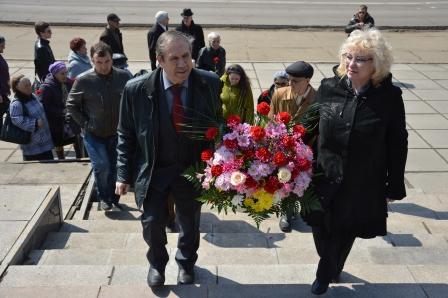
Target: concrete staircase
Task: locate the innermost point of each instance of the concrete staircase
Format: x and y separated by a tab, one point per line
104	256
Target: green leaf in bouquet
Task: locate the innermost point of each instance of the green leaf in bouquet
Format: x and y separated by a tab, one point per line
191	174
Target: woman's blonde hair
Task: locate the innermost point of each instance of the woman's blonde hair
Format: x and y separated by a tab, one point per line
371	42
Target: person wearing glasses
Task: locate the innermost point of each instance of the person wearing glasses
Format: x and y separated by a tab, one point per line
295	100
280	80
43	55
236	95
361	19
361	152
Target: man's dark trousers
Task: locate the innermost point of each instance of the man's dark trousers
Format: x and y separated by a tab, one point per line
155	218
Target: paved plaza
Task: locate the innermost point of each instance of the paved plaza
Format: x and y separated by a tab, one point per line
103	255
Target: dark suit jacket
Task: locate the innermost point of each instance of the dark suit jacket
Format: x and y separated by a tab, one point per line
139	124
153	36
197	33
43	57
108	37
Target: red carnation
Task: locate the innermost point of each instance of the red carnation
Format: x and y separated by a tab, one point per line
211	133
263	108
206	155
288	142
280	159
257	133
263	154
299	129
231	144
38	92
216	59
250	182
303	164
233	120
248	153
216	170
265	93
284	117
272	184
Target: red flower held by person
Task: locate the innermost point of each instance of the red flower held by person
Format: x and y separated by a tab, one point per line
206	155
231	144
272	184
216	170
263	108
280	159
211	133
216	59
288	142
38	92
284	117
263	154
303	164
299	129
233	120
250	182
257	133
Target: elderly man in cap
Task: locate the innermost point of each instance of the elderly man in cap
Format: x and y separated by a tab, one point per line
280	80
194	30
294	99
112	35
160	26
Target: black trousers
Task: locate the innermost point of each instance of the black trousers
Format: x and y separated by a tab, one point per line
333	250
155	217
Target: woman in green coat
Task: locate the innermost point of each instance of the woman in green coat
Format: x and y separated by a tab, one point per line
236	95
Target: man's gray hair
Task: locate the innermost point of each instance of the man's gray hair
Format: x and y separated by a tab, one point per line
213	35
169	36
161	15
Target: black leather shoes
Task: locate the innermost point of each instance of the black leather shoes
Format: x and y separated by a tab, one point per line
319	288
106	206
155	277
185	276
285	224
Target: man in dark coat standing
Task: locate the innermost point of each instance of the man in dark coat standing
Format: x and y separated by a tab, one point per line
4	82
160	26
194	30
154	149
112	35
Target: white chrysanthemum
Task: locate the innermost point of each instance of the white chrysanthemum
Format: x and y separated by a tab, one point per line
237	200
237	178
284	175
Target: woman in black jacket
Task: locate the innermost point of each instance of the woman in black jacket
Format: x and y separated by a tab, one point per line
53	95
362	149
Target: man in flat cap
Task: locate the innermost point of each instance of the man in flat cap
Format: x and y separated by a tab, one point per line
160	26
112	35
194	30
293	99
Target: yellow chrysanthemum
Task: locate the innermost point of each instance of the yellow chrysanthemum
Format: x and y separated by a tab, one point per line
248	202
263	200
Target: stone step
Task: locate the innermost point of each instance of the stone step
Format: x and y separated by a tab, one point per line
212	255
67	240
411	278
51	291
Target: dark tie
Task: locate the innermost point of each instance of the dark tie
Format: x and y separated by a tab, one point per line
177	112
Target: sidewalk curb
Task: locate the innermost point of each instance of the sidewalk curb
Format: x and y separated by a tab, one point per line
236	26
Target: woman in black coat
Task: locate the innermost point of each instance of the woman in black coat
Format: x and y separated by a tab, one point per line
53	95
361	151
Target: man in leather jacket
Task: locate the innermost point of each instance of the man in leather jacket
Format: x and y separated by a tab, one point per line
43	55
93	103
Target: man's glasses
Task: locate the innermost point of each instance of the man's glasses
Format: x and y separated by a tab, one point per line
359	60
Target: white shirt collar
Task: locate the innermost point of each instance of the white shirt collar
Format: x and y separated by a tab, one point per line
167	83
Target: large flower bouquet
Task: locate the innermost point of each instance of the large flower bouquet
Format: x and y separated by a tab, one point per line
261	169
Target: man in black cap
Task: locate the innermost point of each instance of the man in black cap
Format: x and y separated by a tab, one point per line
295	100
112	35
194	30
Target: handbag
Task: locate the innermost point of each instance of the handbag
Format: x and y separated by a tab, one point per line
12	133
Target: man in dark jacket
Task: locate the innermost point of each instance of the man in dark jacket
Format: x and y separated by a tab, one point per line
194	30
112	35
43	55
94	104
160	26
361	19
154	150
4	82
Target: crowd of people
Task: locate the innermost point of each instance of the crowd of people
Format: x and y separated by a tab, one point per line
132	130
